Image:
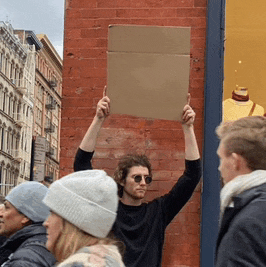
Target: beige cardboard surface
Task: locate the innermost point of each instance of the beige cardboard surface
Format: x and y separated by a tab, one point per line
144	83
149	39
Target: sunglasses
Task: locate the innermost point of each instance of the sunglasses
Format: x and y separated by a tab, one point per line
138	178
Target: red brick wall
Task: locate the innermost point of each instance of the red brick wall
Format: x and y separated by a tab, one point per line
84	76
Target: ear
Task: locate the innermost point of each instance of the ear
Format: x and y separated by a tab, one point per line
25	220
122	183
239	163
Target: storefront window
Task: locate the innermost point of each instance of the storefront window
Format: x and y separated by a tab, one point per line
245	59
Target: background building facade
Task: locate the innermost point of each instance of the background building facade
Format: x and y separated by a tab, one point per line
17	101
30	105
47	110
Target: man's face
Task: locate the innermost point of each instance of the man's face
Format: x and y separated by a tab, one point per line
134	192
11	220
226	167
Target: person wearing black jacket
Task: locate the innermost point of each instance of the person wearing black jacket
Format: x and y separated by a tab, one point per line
21	222
141	226
242	152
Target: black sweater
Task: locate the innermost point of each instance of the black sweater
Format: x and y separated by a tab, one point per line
142	228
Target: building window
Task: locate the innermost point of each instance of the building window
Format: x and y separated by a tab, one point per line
24	109
2	138
4	101
17	143
21	143
16	73
27	112
1	60
12	67
1	97
18	111
6	66
7	142
14	108
7	182
20	79
2	182
12	180
1	170
9	105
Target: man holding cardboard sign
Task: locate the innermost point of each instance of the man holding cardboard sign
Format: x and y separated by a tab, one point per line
141	226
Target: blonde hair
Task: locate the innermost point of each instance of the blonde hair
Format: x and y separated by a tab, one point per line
71	239
245	137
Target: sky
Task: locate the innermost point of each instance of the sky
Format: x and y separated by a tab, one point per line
40	16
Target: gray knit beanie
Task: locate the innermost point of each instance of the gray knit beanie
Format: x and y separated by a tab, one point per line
88	199
27	198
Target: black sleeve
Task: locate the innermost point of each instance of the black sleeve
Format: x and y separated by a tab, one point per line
83	160
179	195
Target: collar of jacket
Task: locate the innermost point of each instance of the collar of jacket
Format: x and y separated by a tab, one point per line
247	196
15	241
240	201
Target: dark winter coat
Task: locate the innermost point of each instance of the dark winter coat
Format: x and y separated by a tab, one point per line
26	248
2	240
242	236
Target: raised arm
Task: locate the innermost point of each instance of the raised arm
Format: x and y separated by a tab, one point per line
174	201
191	146
89	140
86	148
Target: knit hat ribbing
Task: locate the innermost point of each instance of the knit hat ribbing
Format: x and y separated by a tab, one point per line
88	199
27	198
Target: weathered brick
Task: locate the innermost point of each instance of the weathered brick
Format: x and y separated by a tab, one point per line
200	3
81	3
98	13
190	12
93	72
197	42
93	33
195	84
198	32
73	34
84	76
106	4
146	12
157	4
77	112
93	53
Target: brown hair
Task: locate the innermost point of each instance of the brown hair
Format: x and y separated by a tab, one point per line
71	239
246	137
124	166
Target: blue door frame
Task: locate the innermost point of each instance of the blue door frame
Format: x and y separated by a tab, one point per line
212	118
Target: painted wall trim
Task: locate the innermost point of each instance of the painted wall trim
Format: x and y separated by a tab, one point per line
212	118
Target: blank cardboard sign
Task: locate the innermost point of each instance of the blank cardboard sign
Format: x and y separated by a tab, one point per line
148	70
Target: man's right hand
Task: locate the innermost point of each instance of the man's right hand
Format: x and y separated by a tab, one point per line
103	106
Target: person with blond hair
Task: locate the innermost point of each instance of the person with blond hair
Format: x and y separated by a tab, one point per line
242	152
83	209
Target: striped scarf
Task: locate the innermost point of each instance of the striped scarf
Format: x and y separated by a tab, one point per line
238	185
